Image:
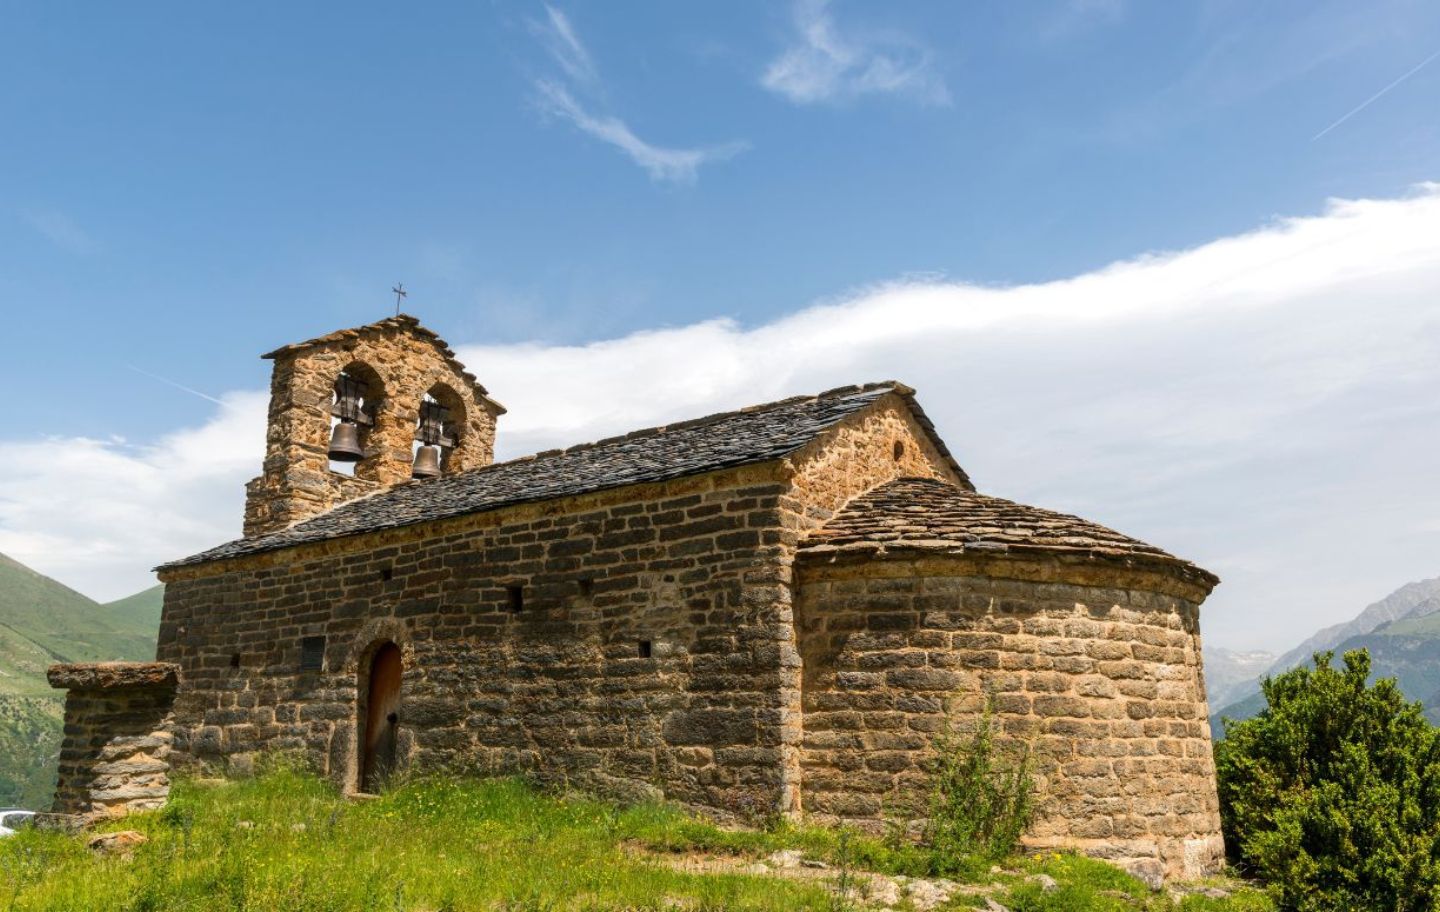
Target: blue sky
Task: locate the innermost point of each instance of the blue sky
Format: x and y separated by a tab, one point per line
189	184
185	187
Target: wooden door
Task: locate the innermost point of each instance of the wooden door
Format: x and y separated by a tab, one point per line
381	717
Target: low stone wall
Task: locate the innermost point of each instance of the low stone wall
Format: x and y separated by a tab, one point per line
1096	671
115	755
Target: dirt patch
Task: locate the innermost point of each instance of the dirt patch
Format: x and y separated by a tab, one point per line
863	888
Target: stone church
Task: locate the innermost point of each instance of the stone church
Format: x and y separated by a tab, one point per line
772	610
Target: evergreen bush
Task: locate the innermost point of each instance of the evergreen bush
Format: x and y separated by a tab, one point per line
1331	795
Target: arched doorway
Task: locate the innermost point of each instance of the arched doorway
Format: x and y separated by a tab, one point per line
382	705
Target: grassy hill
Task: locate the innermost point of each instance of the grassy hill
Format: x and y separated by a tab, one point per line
140	611
68	626
286	842
43	622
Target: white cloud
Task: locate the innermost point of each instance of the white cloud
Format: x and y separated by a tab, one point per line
557	97
679	166
1265	404
824	65
98	514
60	230
564	45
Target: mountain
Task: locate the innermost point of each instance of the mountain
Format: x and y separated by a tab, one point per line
1230	675
1408	650
1398	604
1402	633
43	622
142	610
68	626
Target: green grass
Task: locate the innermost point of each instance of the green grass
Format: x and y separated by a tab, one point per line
1086	885
286	841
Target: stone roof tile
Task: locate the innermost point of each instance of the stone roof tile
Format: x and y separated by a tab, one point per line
928	515
751	435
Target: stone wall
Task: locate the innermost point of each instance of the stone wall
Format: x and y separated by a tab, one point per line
881	444
645	654
400	362
655	650
114	758
1096	669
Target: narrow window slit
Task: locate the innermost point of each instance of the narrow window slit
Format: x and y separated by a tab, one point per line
645	649
515	596
312	653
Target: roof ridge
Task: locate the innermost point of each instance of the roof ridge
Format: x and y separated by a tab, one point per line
754	434
350	332
690	423
852	389
398	321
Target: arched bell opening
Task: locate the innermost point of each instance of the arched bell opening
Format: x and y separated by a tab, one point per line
439	433
355	404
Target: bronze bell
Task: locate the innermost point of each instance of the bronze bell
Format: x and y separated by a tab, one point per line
345	443
427	462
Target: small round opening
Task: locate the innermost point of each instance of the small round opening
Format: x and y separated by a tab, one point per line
899	450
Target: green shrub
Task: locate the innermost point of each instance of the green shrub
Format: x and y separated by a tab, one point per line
980	802
1332	794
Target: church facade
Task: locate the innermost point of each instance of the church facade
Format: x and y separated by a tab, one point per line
774	610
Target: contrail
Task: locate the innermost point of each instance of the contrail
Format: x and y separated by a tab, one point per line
1369	101
176	385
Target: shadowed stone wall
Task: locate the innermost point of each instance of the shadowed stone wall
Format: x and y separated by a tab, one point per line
115	755
1096	670
627	641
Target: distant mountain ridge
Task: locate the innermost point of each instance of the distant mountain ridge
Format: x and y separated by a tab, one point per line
1401	632
1397	605
1229	675
43	622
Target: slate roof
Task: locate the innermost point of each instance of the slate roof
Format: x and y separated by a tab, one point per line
756	434
926	514
403	323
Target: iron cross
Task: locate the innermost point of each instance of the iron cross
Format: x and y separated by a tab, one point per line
400	292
